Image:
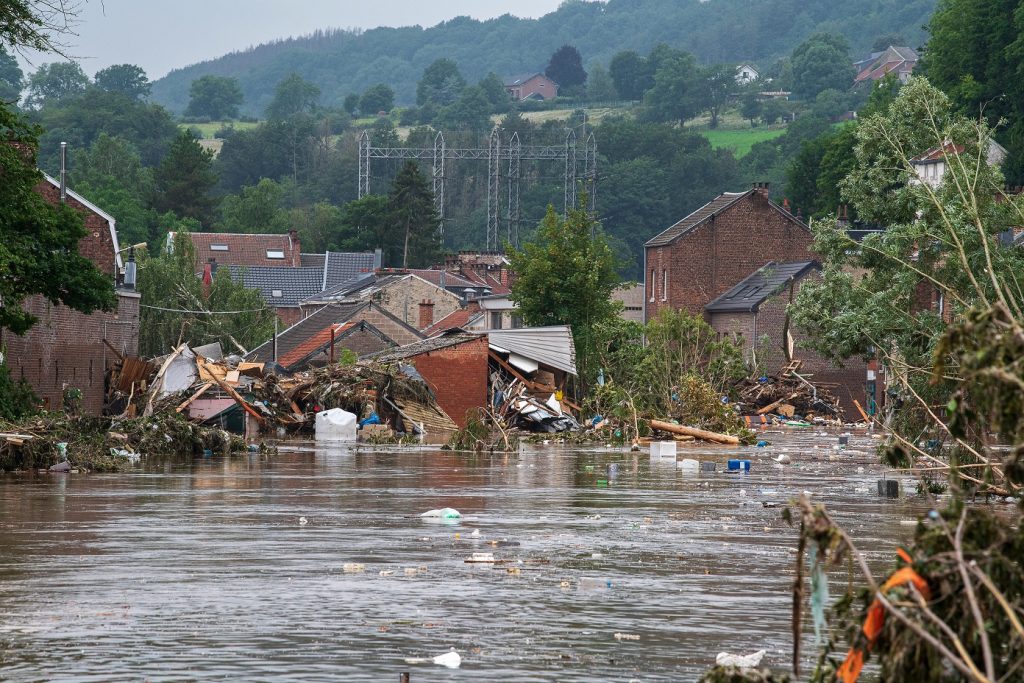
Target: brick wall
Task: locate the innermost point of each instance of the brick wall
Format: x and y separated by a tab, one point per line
66	347
397	333
458	376
713	257
288	315
402	299
97	245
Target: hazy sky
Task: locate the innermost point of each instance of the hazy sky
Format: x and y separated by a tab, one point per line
160	35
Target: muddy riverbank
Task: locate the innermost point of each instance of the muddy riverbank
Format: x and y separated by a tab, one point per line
204	569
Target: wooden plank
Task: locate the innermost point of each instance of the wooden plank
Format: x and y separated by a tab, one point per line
116	352
188	401
233	394
772	406
863	414
694	432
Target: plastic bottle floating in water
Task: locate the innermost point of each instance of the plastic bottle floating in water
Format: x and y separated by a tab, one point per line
443	513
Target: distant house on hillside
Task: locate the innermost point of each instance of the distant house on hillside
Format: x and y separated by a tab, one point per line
876	66
931	165
745	73
532	86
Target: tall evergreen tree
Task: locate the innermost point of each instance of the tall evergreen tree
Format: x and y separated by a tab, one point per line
412	211
184	179
441	83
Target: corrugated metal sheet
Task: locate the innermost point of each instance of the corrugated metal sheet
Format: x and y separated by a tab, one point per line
551	346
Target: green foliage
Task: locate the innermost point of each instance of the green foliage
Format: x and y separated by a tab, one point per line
675	96
183	181
377	98
293	96
17	400
51	83
494	90
566	67
12	80
441	83
565	276
600	87
630	75
127	79
821	62
814	176
275	149
716	85
39	241
256	209
351	103
411	210
216	97
471	111
169	281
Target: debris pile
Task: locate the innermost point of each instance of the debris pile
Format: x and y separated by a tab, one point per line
788	396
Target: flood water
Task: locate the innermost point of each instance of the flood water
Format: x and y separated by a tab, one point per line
203	570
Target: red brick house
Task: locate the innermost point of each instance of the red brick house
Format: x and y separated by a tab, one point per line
754	313
66	348
708	252
454	365
534	86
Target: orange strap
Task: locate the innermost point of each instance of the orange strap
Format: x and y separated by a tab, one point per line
854	662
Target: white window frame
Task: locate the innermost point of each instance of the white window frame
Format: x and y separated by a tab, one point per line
218	247
654	284
664	284
275	254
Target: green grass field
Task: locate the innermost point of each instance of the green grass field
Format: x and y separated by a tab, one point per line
208	129
740	141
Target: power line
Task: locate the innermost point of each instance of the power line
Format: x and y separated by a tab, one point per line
180	310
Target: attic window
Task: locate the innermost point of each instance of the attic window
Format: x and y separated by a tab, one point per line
218	247
276	293
275	253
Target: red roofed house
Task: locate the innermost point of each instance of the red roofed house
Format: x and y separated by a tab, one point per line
66	348
534	86
238	249
896	60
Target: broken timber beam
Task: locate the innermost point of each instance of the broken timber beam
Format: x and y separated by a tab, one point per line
188	401
694	432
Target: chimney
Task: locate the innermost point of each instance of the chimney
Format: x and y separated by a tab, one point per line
293	240
785	204
426	314
130	269
378	259
762	189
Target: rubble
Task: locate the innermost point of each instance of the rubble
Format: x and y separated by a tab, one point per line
788	396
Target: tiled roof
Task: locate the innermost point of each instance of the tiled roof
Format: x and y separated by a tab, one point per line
360	286
320	342
343	266
938	153
719	203
280	286
460	318
312	260
753	290
523	78
450	279
426	346
236	249
298	333
878	64
312	343
491	280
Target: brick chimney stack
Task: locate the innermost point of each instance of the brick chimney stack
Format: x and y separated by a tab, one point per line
762	189
293	240
426	314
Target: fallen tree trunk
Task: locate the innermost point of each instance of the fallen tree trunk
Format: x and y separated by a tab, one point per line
696	433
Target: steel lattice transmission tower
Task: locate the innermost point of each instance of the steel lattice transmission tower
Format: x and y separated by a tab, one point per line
499	155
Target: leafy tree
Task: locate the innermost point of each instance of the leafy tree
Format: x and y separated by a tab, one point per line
716	86
39	241
126	79
831	103
216	97
441	83
566	67
411	209
169	281
53	82
976	55
17	400
183	181
821	62
630	75
472	110
351	104
886	40
600	87
293	96
274	149
494	90
565	276
751	105
675	95
12	80
256	209
365	225
320	227
376	98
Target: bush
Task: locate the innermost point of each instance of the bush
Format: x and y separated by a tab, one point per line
17	399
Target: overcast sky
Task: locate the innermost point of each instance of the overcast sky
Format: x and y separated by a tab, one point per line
160	35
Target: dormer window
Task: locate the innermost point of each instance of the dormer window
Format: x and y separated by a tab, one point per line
276	293
275	253
218	247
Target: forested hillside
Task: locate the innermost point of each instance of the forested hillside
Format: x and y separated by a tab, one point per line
344	62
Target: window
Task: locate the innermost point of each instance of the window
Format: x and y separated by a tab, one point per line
275	253
495	320
277	293
664	284
517	321
652	285
218	247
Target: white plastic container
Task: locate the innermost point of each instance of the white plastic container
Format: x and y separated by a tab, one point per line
335	425
663	449
689	465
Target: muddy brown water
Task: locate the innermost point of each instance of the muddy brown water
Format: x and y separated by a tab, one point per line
203	570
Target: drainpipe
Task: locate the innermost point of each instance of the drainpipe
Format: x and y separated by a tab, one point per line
63	172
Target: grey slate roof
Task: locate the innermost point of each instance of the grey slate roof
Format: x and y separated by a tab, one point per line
362	286
298	333
755	289
552	346
441	341
342	266
312	260
293	284
701	215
